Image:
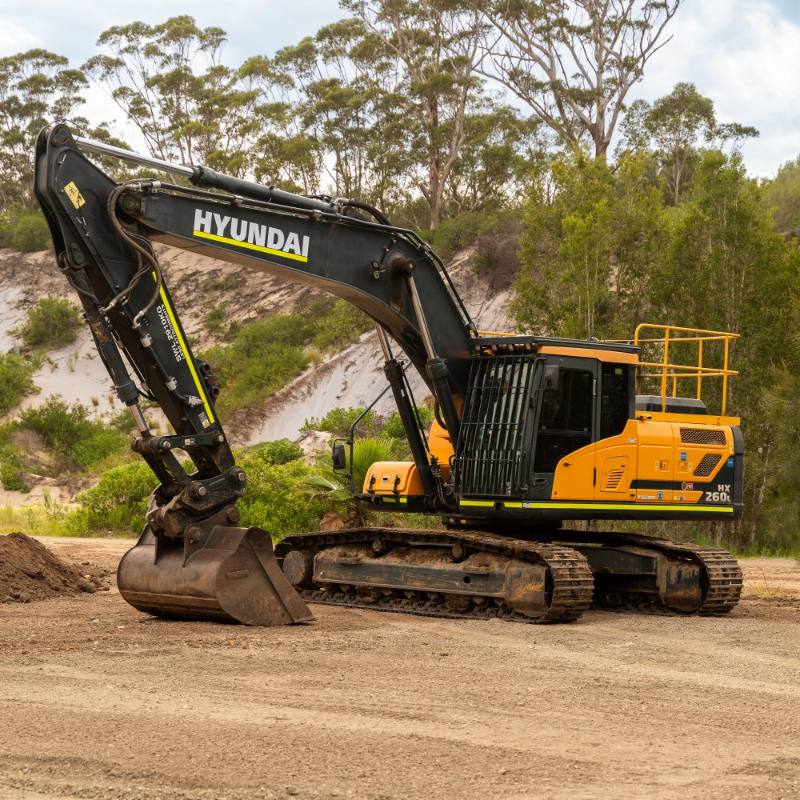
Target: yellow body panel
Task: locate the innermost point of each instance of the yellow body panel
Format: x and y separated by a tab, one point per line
649	449
397	478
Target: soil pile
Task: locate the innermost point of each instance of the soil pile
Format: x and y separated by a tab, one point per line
29	571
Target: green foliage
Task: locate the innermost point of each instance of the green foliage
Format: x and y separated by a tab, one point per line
394	425
24	229
52	323
783	197
675	126
454	233
338	421
278	451
77	440
588	249
38	87
16	380
365	453
262	358
277	499
214	320
12	462
119	500
337	325
265	355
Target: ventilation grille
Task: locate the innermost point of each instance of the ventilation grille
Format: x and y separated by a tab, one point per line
491	458
702	436
613	480
707	464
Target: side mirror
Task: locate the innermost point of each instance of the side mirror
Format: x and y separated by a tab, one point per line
551	377
338	457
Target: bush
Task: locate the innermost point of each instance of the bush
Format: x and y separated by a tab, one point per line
394	425
52	323
262	358
279	451
16	380
12	463
76	439
119	501
365	453
338	421
337	324
265	355
454	233
24	229
277	498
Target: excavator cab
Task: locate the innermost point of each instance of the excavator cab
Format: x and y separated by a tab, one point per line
556	429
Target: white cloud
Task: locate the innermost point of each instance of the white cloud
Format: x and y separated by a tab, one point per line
745	56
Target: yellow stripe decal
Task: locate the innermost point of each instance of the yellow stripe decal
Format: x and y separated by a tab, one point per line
185	351
600	506
249	246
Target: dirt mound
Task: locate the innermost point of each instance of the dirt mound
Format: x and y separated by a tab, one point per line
29	571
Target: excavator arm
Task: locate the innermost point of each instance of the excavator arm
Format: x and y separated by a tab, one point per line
190	561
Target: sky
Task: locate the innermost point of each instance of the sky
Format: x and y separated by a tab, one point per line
743	54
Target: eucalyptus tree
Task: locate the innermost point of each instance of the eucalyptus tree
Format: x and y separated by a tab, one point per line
36	87
171	85
573	62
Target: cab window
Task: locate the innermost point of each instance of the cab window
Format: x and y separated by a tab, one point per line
615	395
565	419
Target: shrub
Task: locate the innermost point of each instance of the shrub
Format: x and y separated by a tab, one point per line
262	358
119	501
394	425
16	380
338	421
337	324
24	229
12	463
279	451
76	439
365	453
52	323
215	319
277	498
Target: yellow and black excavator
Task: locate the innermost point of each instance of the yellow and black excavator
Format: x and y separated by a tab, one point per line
530	432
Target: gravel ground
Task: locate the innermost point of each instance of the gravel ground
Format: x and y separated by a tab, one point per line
99	701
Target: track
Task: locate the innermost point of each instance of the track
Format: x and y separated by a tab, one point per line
569	591
722	573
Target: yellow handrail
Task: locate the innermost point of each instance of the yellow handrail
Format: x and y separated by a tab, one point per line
665	370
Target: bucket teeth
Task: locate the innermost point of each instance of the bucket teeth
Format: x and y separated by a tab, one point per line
225	574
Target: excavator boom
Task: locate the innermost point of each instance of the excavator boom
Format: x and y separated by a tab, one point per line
190	559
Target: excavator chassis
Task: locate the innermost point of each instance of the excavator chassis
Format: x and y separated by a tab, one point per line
475	574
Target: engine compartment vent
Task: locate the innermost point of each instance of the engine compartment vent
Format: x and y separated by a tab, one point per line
707	464
703	436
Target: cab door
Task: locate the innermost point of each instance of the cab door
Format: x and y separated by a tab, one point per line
564	429
616	451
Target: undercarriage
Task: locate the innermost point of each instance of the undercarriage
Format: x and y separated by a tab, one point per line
476	574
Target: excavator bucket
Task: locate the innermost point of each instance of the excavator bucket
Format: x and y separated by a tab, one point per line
224	574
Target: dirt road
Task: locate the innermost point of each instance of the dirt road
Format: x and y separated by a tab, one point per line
99	701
